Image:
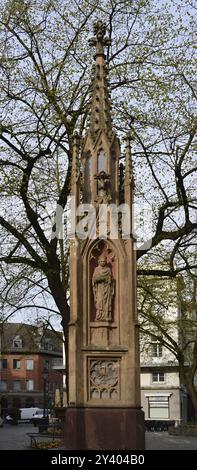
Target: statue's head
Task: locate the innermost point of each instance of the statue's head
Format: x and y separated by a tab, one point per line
102	261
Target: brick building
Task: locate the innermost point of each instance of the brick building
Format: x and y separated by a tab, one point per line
26	351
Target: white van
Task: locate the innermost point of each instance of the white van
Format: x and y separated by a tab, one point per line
26	414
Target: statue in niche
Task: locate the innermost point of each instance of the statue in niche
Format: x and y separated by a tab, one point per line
103	196
103	289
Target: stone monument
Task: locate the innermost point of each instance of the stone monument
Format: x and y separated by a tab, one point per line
104	409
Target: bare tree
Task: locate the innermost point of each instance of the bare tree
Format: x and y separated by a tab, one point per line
45	66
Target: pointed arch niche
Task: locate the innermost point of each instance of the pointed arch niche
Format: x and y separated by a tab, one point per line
88	178
102	162
103	327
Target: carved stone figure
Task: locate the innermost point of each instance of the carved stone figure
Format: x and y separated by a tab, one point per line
103	289
103	196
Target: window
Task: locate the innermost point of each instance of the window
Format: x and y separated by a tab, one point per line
158	407
156	349
29	402
3	364
3	385
101	161
16	364
29	364
16	402
17	342
158	377
16	385
47	365
87	179
46	346
29	385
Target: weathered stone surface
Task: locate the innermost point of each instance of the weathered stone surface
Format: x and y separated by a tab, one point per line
103	352
104	428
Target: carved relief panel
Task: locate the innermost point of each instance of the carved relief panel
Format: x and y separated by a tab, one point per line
104	379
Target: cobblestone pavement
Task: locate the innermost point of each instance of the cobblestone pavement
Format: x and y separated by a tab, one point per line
163	441
15	438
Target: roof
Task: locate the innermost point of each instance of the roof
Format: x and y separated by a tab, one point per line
21	337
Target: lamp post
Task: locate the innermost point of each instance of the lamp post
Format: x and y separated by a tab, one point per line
45	375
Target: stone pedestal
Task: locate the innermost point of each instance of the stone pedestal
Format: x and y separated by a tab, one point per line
104	429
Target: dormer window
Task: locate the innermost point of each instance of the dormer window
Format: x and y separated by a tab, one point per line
46	346
157	350
17	342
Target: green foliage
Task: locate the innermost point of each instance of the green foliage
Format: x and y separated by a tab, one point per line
45	76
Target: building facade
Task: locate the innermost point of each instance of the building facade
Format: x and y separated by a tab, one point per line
26	352
162	396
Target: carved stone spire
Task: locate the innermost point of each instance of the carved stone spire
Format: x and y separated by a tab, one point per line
100	115
103	330
101	148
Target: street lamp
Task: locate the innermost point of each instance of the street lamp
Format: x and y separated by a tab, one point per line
45	375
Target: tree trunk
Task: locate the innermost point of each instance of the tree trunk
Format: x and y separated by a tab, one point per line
57	290
186	377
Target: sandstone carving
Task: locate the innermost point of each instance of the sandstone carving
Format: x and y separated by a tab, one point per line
103	289
104	379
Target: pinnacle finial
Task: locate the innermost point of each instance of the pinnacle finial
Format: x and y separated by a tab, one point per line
100	115
99	40
100	29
